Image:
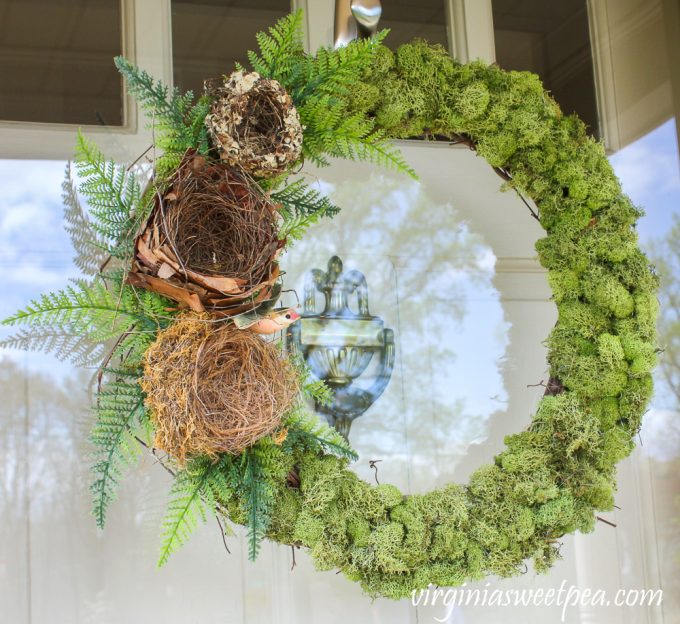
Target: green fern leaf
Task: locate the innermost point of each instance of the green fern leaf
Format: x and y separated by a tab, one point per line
112	193
259	501
280	49
305	430
178	124
118	409
300	207
189	498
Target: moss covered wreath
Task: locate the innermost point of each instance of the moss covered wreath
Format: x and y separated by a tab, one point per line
176	300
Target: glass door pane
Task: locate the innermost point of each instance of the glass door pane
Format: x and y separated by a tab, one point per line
56	61
208	36
551	39
425	19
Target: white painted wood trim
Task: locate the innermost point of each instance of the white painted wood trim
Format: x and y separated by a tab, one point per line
303	4
470	28
603	68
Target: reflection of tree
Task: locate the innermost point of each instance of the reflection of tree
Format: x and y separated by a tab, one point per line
47	532
38	416
667	260
433	265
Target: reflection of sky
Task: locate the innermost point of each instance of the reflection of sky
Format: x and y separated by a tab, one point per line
35	251
649	171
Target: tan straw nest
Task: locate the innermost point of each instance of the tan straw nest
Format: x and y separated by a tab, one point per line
254	124
211	241
212	388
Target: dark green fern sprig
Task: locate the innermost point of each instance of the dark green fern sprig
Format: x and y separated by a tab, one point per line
177	120
320	85
191	499
112	194
307	432
258	499
281	51
119	411
300	206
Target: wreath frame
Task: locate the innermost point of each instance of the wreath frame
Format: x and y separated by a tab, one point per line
553	478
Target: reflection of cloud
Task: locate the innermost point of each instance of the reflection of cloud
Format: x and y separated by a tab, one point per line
35	252
649	173
36	179
36	276
645	169
34	249
661	434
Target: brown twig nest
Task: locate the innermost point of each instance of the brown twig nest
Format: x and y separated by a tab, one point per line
254	124
214	389
211	240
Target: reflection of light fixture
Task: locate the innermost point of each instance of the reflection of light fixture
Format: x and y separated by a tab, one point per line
354	19
338	344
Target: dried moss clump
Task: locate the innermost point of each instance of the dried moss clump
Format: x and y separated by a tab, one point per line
212	388
254	124
211	241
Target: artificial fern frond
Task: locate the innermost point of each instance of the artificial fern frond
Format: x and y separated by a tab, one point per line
280	49
258	500
92	310
64	321
189	498
300	207
300	199
178	124
119	408
333	71
307	431
112	192
89	247
153	95
329	131
310	386
317	390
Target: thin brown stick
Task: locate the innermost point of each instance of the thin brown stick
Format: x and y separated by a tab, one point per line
606	521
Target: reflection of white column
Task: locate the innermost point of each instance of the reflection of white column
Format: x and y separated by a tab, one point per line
597	563
625	557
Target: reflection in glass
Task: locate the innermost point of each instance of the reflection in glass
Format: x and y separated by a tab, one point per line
56	61
431	280
338	343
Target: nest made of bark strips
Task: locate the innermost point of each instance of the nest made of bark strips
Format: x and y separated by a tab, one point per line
254	124
211	241
214	389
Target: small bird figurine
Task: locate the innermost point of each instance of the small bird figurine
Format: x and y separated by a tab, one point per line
268	323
